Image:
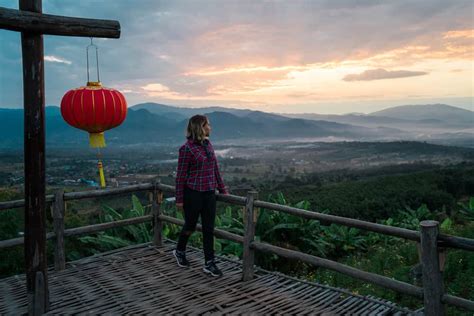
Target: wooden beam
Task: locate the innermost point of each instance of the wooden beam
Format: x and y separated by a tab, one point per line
36	22
34	161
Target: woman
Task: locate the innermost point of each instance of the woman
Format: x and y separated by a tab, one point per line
197	179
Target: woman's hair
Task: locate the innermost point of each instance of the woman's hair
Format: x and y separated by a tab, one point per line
195	130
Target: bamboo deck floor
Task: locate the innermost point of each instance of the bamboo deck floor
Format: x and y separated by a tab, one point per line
145	279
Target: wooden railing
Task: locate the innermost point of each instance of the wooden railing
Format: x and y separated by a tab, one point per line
429	238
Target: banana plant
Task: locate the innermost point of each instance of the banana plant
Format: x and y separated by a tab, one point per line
292	231
121	236
345	238
411	218
467	210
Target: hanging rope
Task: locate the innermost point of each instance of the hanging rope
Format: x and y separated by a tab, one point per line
92	45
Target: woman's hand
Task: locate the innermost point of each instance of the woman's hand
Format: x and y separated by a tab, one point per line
179	206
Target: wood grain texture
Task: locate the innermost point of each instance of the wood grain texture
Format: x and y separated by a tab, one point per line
35	22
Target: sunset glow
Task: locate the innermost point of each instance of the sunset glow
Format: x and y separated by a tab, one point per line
282	57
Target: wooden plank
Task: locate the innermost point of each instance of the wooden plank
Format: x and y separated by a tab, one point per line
35	22
432	279
363	305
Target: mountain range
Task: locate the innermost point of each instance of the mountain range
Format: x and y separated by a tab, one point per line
159	123
432	116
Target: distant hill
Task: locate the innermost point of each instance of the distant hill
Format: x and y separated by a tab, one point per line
142	126
411	117
180	113
159	123
359	119
429	113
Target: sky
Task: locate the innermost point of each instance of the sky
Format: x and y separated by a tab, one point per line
310	56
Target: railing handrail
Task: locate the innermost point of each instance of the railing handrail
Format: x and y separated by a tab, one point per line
435	239
446	241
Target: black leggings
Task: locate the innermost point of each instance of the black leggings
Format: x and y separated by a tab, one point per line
195	203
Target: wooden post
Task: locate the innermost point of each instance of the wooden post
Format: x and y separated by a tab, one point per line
33	24
34	161
250	220
156	200
58	222
432	278
39	307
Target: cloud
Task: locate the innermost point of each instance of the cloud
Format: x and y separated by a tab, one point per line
378	74
162	91
469	33
55	59
156	87
196	50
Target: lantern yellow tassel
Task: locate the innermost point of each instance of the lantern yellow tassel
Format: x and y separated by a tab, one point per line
101	174
96	140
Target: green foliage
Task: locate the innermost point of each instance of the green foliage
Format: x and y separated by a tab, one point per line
11	226
374	197
467	210
121	236
385	255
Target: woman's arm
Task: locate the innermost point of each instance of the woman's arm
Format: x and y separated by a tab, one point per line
220	183
181	172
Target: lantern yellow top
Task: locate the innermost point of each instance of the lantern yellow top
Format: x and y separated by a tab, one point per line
94	84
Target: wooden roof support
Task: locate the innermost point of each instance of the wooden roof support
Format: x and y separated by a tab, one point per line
27	21
33	24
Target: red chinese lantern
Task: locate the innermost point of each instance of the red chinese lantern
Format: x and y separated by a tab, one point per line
94	109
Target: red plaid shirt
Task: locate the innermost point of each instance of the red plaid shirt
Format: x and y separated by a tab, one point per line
197	169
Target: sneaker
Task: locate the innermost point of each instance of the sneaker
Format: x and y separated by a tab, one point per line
211	268
181	258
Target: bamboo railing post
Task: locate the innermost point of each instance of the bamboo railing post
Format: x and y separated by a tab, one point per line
249	233
432	279
156	200
58	222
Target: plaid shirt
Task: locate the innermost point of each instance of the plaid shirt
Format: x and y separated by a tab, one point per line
198	169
